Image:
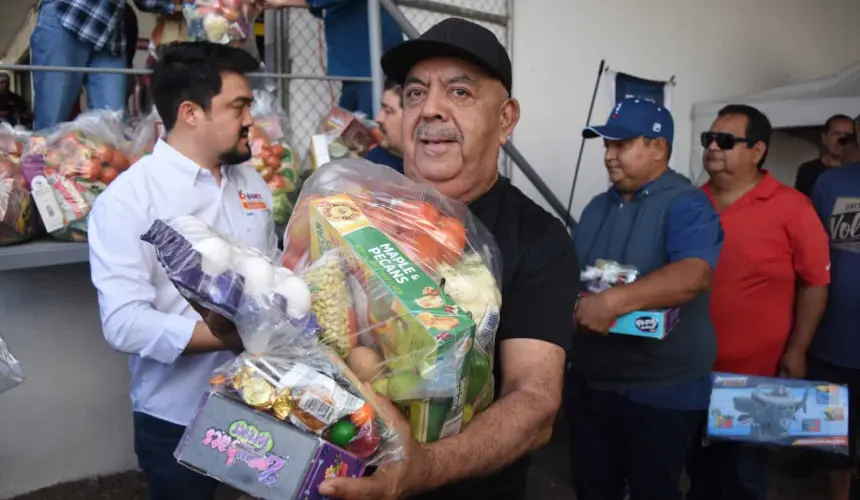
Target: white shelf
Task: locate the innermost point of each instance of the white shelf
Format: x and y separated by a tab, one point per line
42	253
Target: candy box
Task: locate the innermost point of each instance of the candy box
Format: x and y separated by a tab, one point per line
259	455
780	412
425	338
655	324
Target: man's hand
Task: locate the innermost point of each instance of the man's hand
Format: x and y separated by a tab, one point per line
392	481
793	363
221	327
597	312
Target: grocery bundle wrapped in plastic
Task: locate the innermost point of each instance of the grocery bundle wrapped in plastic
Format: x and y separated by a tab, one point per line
143	135
284	370
228	22
74	164
404	282
605	274
273	154
19	221
10	370
341	134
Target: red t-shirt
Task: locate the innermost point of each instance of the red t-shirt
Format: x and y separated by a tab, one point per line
773	238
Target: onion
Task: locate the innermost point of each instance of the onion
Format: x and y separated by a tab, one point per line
259	275
297	294
216	255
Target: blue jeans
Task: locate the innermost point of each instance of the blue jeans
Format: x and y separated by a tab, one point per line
154	443
621	447
52	44
727	471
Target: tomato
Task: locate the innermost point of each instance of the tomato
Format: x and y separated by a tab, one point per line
274	162
93	170
421	248
278	150
451	236
108	174
277	183
267	174
416	211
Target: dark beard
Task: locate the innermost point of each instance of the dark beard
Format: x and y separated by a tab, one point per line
234	157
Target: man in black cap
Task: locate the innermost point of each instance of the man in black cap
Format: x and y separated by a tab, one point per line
457	113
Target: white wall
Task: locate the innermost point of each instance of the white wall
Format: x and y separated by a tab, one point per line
714	49
71	418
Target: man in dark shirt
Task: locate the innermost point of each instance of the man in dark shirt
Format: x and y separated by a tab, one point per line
636	402
834	355
837	126
457	113
389	151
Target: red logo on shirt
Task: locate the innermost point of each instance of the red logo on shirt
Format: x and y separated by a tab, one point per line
252	201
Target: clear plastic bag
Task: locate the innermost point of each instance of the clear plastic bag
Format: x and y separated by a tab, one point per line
274	156
228	22
284	370
143	136
77	160
341	134
10	370
309	387
267	303
404	282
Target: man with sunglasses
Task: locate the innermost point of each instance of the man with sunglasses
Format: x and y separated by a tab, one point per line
636	402
764	323
834	355
836	128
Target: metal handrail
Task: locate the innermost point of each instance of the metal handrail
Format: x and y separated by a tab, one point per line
138	71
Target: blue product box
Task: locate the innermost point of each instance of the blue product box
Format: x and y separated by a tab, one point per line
654	324
779	412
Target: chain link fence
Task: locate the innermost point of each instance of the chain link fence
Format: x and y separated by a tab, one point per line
307	101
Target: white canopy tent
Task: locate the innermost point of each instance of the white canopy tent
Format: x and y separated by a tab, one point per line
807	104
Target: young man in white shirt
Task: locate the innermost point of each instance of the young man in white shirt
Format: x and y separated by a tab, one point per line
203	97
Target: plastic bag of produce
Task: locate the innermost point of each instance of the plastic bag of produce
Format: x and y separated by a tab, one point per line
143	136
71	166
273	154
284	371
420	276
228	22
340	135
10	370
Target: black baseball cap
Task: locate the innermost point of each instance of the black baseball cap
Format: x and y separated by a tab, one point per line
453	37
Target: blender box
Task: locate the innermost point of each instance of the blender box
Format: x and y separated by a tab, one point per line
258	454
779	412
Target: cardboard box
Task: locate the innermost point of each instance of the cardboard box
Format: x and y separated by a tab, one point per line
259	455
655	324
419	327
780	412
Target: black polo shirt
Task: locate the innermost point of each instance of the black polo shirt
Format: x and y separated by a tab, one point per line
540	281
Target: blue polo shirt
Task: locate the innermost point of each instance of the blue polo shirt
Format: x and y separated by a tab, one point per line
836	197
348	37
683	225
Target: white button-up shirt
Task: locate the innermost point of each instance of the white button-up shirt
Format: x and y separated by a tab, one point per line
142	313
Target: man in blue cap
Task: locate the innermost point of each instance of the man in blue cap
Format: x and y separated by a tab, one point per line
635	402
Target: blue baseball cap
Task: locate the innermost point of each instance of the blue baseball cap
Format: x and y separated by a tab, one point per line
635	117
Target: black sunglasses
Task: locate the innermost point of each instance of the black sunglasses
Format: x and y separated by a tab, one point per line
847	139
723	140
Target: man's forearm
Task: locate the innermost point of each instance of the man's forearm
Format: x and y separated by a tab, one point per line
670	286
809	307
513	426
203	340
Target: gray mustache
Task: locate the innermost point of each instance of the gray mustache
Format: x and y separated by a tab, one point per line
430	132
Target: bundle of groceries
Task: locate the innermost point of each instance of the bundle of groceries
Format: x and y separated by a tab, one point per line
10	370
19	221
228	22
605	274
404	285
274	157
68	167
288	404
341	134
